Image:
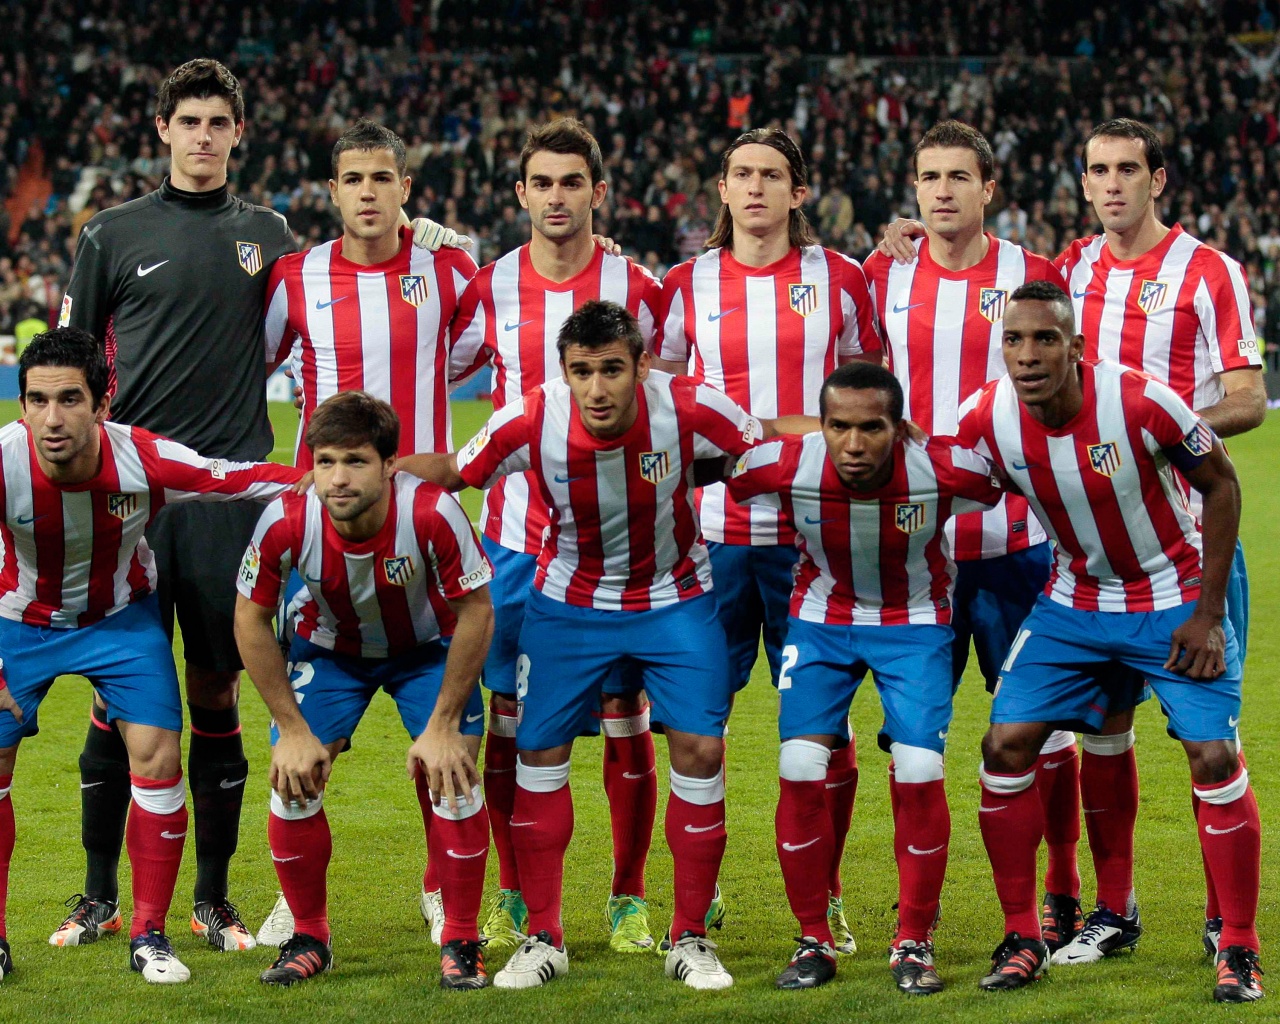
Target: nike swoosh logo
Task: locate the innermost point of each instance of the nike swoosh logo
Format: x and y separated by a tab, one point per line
837	785
154	266
988	810
228	784
638	775
713	317
1224	831
810	521
26	520
925	853
567	479
1233	722
942	736
706	828
1077	295
474	718
173	835
515	327
1059	764
792	849
1021	467
285	860
468	856
331	302
317	580
903	309
521	824
90	785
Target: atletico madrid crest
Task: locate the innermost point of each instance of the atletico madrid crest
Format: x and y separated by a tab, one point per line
249	255
909	516
399	569
413	289
122	506
1105	458
654	466
1200	440
1151	296
804	298
991	303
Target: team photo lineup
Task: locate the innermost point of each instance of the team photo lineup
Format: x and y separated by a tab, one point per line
871	470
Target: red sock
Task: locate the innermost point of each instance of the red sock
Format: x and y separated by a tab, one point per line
840	789
697	837
154	840
1211	908
631	787
1058	783
301	849
459	847
8	833
542	826
921	833
500	792
1012	825
430	874
1109	792
1231	841
805	840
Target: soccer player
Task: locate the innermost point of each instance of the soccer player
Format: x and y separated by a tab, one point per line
623	579
77	595
872	591
940	317
396	597
1094	447
509	318
764	315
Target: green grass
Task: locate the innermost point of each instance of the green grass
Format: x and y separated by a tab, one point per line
386	969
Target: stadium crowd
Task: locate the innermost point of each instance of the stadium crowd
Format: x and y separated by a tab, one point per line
655	85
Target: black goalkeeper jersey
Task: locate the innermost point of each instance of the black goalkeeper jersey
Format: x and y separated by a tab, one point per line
173	285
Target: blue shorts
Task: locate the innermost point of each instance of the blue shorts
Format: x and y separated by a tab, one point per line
992	597
510	589
823	666
1062	670
127	657
753	595
333	690
570	655
1238	600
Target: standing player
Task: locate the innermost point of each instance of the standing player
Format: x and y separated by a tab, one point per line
940	316
764	315
869	507
395	597
509	317
1094	447
77	596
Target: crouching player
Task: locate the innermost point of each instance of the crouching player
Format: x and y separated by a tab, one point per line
872	591
77	595
1094	447
396	598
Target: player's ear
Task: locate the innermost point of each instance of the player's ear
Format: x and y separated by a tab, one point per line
333	192
988	191
1158	180
598	191
239	134
162	129
798	194
405	186
520	194
1077	348
103	412
644	363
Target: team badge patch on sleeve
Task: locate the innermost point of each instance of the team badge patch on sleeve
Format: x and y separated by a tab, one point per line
654	466
1200	441
1105	458
399	569
249	256
413	289
251	563
64	315
909	516
804	298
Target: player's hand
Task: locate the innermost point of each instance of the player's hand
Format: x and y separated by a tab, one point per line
7	703
300	767
896	243
441	756
297	397
427	234
304	485
1198	648
607	244
915	433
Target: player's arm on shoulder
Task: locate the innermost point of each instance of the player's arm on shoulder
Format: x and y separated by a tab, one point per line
757	477
974	481
189	476
439	468
781	426
898	243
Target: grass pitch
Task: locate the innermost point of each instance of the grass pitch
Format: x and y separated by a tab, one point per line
385	968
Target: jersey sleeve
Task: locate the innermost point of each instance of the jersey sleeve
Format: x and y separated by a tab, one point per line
279	335
468	333
89	299
969	478
974	428
758	477
446	533
721	426
1170	426
674	345
500	448
649	311
859	335
268	558
1041	269
1225	312
185	475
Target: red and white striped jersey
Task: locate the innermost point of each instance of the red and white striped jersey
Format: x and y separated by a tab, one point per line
1103	486
624	532
379	328
1180	312
767	337
873	558
510	317
72	554
370	599
943	333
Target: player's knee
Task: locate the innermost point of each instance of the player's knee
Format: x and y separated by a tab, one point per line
619	704
8	758
915	764
698	757
1118	722
1214	763
803	761
153	753
503	705
1009	749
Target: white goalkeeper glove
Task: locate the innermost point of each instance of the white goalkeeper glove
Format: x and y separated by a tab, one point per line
427	234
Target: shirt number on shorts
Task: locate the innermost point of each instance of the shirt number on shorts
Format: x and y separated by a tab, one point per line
300	674
790	655
1014	650
523	664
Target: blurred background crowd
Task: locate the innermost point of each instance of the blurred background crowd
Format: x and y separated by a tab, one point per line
664	87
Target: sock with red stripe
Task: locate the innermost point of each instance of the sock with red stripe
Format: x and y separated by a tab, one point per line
695	828
840	790
1058	782
805	833
301	847
459	842
1231	840
921	836
219	772
500	791
1011	818
155	835
8	833
631	787
541	827
1109	792
105	793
